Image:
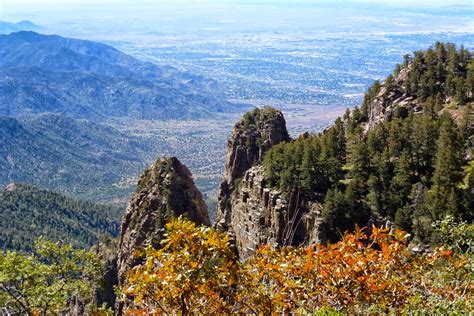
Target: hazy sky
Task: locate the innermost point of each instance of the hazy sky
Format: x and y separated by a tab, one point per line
138	2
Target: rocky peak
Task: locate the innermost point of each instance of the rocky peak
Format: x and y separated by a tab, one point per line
251	137
165	190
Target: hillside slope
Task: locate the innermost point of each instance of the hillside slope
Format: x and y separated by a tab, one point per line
54	151
83	79
27	213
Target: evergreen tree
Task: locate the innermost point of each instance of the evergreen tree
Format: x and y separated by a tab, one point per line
401	184
448	171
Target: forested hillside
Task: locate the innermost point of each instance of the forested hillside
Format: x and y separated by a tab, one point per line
286	238
27	213
404	156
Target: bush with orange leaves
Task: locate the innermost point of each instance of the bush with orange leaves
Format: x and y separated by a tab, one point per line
195	272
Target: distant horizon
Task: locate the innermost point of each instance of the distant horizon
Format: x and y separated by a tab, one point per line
408	3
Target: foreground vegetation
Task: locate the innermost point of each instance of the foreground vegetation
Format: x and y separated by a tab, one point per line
48	280
196	272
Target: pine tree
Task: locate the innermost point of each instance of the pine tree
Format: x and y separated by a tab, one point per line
335	214
307	169
401	183
448	170
423	140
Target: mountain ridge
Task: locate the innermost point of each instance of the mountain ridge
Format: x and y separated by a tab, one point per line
80	71
57	152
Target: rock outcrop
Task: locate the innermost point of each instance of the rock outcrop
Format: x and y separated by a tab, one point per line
263	215
392	96
165	190
251	211
251	137
107	253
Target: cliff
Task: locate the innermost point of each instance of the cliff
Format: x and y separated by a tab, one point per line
165	190
262	215
249	208
391	97
251	137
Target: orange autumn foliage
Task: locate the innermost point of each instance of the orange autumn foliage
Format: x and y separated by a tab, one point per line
195	272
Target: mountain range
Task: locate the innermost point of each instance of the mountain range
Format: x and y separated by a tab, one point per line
83	79
63	100
78	156
9	27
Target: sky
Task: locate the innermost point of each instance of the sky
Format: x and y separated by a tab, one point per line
194	16
140	2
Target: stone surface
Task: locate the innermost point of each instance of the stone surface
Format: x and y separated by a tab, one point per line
251	137
249	209
390	99
107	252
263	215
165	190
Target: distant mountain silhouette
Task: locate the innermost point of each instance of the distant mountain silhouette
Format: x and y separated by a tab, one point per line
9	27
83	79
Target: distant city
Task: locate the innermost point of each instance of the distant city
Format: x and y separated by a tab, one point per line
312	60
320	77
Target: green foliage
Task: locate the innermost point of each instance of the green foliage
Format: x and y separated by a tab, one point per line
442	70
44	282
251	122
410	168
195	272
444	195
310	164
458	235
28	213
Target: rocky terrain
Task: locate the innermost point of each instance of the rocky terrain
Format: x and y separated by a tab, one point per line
165	190
249	208
263	215
251	138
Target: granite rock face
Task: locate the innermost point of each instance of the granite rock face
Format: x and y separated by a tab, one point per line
165	190
392	98
262	215
249	209
251	137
